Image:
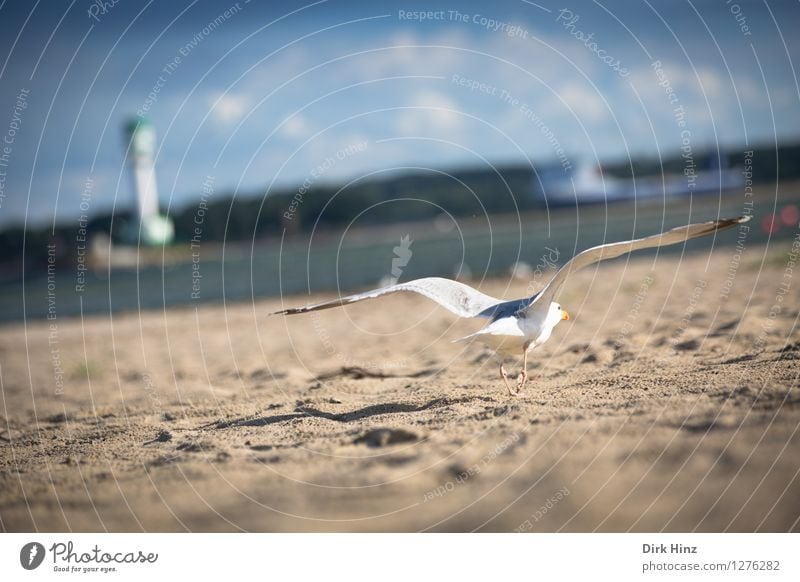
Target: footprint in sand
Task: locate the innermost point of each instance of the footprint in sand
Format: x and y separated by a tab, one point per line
382	437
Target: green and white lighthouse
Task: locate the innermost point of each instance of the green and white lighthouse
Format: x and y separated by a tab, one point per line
150	227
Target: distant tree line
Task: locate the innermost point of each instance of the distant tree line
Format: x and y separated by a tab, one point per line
399	198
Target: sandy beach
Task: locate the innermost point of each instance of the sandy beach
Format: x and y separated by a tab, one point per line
668	402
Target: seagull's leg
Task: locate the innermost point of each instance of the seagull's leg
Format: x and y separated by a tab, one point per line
522	379
504	376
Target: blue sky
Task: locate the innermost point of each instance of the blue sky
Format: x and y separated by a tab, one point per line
277	93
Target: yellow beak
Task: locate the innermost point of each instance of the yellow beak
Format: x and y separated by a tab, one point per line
564	315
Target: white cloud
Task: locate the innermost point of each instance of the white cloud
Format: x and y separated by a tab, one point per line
430	109
295	127
711	82
228	108
584	102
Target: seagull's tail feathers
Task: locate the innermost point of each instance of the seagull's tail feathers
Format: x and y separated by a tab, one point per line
466	338
503	335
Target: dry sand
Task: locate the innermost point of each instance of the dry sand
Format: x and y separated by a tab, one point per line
660	405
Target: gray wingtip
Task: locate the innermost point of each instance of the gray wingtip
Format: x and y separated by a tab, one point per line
737	220
724	223
282	312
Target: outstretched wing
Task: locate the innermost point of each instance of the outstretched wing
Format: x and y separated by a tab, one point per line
613	250
456	297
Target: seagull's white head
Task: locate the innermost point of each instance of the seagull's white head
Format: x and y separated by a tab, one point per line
555	315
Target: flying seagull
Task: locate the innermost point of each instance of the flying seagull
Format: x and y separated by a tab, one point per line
522	324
